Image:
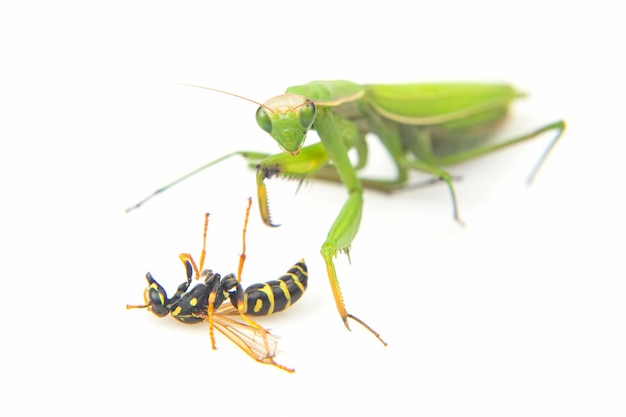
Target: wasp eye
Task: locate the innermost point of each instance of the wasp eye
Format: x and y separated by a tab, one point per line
307	115
263	119
156	297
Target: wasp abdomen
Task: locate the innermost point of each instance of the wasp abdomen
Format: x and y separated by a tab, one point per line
276	295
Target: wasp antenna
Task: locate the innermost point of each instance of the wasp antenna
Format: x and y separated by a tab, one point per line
203	253
227	93
128	306
242	257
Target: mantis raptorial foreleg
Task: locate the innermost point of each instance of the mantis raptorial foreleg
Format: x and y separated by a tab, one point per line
307	163
346	225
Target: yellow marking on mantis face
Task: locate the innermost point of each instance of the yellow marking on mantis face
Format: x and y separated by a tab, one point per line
176	311
193	302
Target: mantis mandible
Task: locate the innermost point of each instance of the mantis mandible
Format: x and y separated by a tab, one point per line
424	127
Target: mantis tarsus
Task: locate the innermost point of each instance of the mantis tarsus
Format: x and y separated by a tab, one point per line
424	127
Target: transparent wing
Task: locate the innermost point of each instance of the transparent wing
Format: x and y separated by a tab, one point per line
258	343
227	309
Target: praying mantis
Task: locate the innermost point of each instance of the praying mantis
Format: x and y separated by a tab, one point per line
423	127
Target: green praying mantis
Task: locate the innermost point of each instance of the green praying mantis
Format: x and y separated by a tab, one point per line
423	127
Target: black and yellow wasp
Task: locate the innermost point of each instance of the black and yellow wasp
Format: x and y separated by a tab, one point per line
207	301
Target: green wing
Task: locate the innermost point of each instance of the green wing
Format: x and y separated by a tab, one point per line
426	104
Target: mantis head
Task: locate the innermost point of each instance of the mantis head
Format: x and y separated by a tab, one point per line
287	118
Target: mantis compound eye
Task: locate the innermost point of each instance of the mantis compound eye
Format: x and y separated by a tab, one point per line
306	115
263	119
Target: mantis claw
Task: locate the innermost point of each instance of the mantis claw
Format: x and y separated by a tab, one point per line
345	322
264	172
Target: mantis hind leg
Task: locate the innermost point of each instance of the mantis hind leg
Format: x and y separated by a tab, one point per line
558	127
442	175
329	173
434	169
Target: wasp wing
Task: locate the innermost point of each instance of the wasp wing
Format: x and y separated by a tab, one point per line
258	343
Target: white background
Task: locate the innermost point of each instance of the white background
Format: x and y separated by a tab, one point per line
522	312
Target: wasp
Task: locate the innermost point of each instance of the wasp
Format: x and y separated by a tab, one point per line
215	298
